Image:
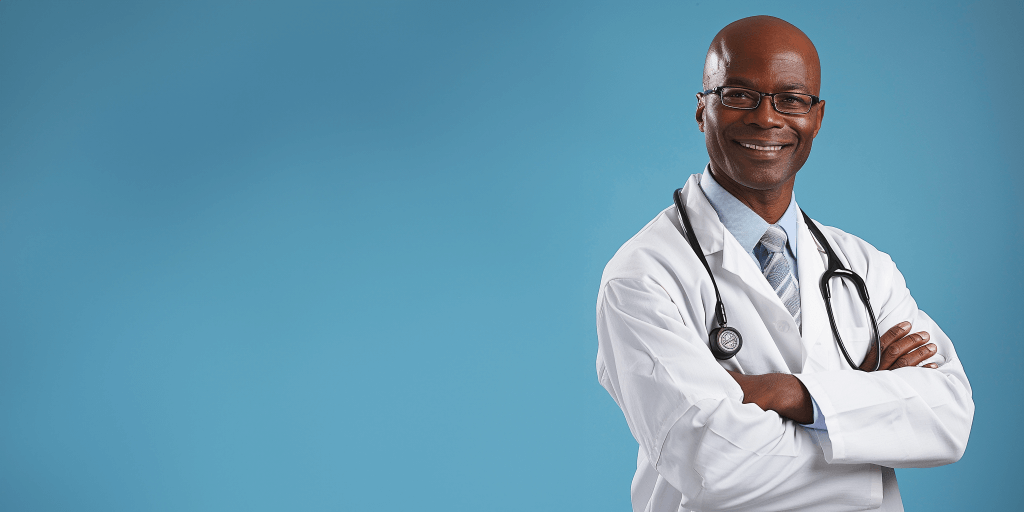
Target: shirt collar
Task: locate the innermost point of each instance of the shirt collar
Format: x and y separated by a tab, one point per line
745	225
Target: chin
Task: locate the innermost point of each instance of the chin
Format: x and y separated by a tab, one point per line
762	177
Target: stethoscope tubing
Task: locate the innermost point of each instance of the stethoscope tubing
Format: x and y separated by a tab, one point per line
691	237
835	268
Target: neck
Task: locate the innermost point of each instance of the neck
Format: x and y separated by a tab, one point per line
769	204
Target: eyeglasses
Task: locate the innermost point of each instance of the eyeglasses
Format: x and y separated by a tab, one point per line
749	99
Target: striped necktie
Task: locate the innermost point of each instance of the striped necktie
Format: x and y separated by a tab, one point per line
775	268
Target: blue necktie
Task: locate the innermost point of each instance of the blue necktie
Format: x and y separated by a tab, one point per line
775	268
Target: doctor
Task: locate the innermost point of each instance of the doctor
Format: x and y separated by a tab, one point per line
785	424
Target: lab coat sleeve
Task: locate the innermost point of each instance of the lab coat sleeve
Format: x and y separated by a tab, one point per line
687	414
909	417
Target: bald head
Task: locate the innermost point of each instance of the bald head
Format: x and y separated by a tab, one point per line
761	38
756	145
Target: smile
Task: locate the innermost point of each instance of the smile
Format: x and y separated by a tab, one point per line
760	148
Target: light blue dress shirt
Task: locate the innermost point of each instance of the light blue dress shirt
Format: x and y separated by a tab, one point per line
748	228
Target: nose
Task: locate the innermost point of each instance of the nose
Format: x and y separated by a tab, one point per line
764	116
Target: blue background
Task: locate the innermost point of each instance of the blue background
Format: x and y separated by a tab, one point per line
323	256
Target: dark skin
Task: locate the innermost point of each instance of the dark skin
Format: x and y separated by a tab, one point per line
755	155
786	395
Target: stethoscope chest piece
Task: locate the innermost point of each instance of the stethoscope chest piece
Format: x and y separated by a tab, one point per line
725	342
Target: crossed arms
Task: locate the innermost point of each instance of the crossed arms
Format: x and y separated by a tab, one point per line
725	441
787	396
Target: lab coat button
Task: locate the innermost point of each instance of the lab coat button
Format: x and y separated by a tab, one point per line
782	326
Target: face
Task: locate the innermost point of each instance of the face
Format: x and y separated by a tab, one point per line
759	149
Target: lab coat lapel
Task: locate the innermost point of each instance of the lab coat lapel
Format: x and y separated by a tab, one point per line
714	238
709	230
817	335
784	331
736	261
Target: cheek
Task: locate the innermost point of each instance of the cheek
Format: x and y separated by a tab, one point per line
805	130
714	128
716	142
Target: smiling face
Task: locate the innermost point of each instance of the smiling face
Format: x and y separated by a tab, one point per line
759	150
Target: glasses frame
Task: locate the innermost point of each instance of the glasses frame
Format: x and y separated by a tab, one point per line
718	90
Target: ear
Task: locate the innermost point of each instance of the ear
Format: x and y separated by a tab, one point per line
819	117
700	112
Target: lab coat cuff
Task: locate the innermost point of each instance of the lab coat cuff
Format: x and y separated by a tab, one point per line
819	419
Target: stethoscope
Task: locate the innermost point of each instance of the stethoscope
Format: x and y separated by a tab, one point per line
726	341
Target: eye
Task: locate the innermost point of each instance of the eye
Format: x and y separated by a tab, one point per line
794	100
738	94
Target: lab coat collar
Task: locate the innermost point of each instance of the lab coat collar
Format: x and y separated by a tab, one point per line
743	224
706	225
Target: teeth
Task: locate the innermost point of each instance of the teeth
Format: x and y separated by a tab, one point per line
761	148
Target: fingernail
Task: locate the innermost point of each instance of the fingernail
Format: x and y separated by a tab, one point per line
925	336
931	347
904	326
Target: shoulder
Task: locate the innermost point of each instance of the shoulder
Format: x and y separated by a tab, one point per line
658	255
648	250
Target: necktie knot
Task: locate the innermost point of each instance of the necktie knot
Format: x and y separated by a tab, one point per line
774	240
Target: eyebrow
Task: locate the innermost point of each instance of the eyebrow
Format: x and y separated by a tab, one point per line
740	82
794	86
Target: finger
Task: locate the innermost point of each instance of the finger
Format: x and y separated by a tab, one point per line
897	332
930	365
914	357
901	347
894	333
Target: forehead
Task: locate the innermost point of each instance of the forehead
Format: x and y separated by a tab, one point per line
767	65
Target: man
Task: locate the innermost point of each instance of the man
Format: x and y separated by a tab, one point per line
786	423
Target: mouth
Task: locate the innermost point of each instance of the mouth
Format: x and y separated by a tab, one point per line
759	148
763	146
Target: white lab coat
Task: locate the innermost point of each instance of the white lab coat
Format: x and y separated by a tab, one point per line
701	448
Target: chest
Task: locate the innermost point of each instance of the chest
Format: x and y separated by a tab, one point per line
773	341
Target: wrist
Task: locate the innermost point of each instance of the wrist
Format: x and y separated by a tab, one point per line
779	392
791	399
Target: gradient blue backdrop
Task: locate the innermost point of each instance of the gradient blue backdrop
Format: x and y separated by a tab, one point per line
321	256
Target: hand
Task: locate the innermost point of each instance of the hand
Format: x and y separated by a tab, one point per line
900	349
779	392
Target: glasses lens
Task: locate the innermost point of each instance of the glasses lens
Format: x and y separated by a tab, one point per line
792	103
738	97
